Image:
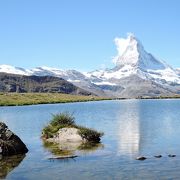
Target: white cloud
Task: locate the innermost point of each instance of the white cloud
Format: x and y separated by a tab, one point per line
121	45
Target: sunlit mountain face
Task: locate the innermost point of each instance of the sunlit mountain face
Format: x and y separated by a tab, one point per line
136	73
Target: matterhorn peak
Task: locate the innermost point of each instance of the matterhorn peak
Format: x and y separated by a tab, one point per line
131	38
131	52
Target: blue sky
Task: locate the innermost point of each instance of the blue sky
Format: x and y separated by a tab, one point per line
79	34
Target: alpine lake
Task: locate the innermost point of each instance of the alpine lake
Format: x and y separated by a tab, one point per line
131	128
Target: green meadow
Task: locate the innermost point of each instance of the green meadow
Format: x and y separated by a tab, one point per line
19	99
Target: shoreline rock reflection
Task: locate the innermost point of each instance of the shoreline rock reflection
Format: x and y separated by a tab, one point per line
8	163
70	149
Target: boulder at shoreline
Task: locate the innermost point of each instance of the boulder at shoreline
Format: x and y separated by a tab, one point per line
10	143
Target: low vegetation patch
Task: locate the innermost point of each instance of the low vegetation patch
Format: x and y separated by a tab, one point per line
58	121
90	135
20	99
67	120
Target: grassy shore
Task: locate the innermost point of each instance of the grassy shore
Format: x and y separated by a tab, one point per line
20	99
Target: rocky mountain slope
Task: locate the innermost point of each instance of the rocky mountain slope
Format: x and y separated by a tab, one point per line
22	83
136	73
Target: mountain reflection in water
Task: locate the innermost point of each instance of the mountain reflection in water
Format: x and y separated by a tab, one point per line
129	129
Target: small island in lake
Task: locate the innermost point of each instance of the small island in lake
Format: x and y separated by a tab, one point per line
63	133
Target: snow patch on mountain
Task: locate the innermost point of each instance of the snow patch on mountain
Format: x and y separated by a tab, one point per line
73	81
178	71
105	83
48	71
14	70
168	75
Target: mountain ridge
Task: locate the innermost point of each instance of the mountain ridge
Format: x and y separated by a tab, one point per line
41	84
134	66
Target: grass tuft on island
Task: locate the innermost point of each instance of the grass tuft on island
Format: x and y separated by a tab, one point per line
67	120
20	99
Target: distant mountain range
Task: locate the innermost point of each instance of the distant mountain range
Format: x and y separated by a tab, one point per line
137	73
50	84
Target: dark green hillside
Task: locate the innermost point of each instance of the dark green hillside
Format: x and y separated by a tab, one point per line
40	84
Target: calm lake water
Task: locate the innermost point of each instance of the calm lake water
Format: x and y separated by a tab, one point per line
131	127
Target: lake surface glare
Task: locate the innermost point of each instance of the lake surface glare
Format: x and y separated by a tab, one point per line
131	128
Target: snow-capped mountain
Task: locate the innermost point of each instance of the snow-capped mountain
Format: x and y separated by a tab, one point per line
70	75
136	73
73	76
136	61
135	56
13	70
